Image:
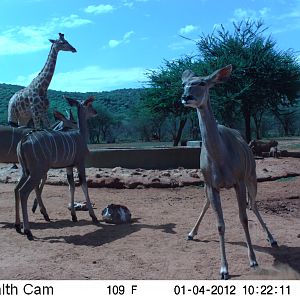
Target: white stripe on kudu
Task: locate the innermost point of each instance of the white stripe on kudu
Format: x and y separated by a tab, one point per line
70	151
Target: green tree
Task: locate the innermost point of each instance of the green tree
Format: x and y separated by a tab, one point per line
263	77
163	96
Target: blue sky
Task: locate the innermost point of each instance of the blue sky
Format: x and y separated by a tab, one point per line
119	40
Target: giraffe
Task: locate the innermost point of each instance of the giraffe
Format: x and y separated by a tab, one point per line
226	161
32	102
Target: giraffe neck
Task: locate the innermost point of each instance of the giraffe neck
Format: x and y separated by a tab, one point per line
42	81
211	139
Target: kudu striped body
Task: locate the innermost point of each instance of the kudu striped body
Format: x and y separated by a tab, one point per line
11	136
42	150
226	161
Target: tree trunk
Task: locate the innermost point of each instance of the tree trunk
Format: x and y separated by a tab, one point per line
179	132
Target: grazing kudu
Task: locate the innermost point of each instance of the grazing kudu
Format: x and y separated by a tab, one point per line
11	136
226	161
42	150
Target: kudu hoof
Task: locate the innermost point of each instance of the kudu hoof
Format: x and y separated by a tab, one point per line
28	234
18	228
253	264
46	217
95	220
224	276
190	238
274	244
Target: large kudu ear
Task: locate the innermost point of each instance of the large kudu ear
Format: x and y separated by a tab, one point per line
187	75
89	101
72	102
220	75
58	116
70	115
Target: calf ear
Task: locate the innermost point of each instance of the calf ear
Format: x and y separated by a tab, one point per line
187	75
220	75
89	101
58	116
72	102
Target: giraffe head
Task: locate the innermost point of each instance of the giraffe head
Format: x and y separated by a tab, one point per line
196	88
62	44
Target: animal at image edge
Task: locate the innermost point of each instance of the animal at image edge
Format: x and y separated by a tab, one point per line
41	150
11	136
32	102
226	161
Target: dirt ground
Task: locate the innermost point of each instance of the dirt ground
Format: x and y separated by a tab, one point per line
154	246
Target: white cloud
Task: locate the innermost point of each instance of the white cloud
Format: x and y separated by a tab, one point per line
125	39
114	43
188	29
92	79
25	39
240	14
99	9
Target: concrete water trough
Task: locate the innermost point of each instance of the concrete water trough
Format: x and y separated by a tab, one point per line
145	158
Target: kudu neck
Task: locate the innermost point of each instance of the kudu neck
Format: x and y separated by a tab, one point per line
209	130
82	123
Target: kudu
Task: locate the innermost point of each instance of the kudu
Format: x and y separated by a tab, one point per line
226	161
11	136
42	150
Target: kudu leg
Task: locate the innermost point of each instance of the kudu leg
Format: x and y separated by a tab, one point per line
17	203
214	198
252	195
82	180
70	177
240	190
194	231
38	200
24	193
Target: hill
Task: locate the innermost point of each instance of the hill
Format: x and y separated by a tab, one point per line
117	102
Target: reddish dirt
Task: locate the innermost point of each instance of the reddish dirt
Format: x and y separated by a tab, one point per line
154	246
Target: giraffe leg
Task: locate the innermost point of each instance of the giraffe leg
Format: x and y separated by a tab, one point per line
252	189
71	182
82	180
240	190
194	231
214	198
36	118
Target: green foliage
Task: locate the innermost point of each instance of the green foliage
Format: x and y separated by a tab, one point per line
263	77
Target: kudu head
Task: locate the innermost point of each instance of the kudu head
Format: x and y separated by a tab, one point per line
196	88
62	44
85	107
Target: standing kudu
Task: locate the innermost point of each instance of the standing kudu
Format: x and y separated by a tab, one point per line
11	136
226	161
42	150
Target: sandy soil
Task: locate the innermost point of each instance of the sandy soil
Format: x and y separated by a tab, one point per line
154	246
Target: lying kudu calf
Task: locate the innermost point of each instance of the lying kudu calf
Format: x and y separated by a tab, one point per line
41	150
11	136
